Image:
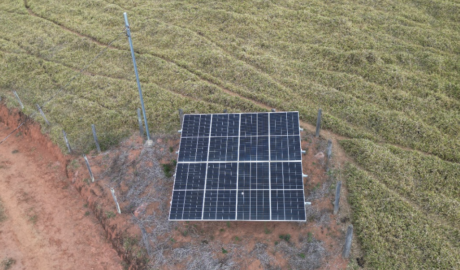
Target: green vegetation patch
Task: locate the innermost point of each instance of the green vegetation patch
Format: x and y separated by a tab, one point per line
395	234
427	181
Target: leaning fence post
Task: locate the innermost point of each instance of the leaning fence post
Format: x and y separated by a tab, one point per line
95	138
181	116
318	123
19	100
89	168
43	115
115	199
337	197
67	141
139	119
349	238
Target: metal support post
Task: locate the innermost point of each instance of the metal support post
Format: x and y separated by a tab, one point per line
19	100
128	33
95	138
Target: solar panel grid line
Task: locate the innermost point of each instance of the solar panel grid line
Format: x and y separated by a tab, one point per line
234	161
269	171
238	166
206	175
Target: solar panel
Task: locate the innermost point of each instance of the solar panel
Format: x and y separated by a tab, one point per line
245	166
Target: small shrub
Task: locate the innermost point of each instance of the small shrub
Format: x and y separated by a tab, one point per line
237	238
167	169
224	251
171	149
310	237
228	224
7	263
302	255
285	237
15	151
110	214
87	213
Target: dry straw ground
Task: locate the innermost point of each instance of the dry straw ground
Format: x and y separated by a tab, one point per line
385	73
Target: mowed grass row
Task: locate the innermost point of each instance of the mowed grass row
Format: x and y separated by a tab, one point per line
383	72
395	234
429	182
378	72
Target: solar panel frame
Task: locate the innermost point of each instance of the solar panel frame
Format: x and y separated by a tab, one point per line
292	127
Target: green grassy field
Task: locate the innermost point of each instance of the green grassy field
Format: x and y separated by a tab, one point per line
385	73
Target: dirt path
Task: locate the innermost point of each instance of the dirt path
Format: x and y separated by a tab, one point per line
47	225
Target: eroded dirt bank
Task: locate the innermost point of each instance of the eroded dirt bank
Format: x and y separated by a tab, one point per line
48	224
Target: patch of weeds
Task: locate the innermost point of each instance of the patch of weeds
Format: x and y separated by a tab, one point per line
174	162
171	149
85	205
172	240
237	239
74	164
222	230
19	134
87	181
185	233
167	169
285	237
314	163
301	255
33	219
15	151
2	212
110	214
129	243
7	263
224	251
87	213
310	237
228	224
276	243
266	230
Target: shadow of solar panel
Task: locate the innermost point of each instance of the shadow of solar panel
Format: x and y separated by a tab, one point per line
239	167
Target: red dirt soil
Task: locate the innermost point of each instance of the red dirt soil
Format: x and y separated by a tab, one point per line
47	225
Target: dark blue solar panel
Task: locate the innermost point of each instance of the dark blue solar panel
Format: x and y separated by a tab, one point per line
286	175
229	168
253	148
225	125
253	204
253	124
196	125
190	176
253	175
193	149
223	149
221	176
193	204
293	123
285	148
294	205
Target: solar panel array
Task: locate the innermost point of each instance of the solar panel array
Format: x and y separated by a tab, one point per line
244	166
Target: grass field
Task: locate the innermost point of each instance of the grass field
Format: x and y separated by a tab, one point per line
385	73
